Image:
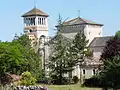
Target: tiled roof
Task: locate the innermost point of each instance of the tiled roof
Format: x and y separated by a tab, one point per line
80	21
99	41
35	12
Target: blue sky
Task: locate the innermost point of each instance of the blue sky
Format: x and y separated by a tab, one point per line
106	12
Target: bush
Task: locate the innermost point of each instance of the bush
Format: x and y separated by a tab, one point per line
59	81
75	79
92	82
44	81
27	79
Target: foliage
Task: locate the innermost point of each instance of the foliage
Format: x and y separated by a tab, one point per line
66	52
59	63
112	47
57	80
32	60
27	79
78	50
117	34
111	72
18	56
75	79
92	82
79	47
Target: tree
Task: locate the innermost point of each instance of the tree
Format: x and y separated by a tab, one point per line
112	48
32	59
79	46
58	62
18	56
109	74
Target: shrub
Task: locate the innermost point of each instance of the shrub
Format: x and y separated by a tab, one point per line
59	81
27	79
92	82
75	79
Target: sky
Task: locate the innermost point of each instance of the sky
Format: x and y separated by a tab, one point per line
105	12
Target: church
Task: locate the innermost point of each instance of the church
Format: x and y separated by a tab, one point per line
36	27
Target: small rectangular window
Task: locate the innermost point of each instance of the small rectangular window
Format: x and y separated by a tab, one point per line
94	71
84	71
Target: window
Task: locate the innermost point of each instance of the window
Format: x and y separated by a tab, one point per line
38	21
42	21
26	21
83	71
94	71
99	33
30	30
33	21
29	21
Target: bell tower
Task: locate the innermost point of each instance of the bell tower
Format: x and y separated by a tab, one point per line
35	23
36	27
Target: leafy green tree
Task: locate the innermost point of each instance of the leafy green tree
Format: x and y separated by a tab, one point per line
32	59
18	56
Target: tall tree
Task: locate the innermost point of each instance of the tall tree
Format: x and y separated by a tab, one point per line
58	63
109	74
112	47
32	59
79	47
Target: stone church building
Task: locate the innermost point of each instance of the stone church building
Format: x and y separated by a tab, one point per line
36	27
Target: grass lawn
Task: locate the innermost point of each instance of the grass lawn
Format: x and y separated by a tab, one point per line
69	87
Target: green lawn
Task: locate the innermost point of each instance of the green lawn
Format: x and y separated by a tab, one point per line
69	87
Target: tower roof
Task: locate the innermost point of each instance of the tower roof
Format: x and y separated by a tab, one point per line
35	12
81	21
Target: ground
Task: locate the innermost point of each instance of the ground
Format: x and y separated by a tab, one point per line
70	87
